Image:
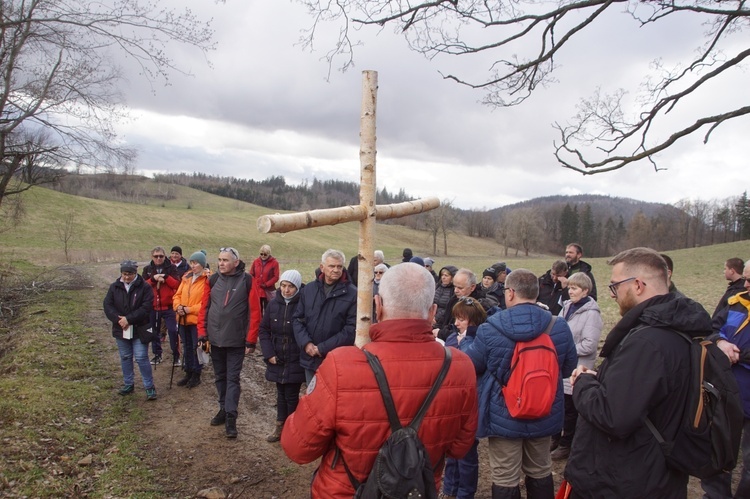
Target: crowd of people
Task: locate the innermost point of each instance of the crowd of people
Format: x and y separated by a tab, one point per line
306	333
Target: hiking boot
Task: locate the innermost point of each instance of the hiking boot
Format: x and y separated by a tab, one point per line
126	389
151	393
560	453
195	380
156	360
231	426
184	381
276	435
219	419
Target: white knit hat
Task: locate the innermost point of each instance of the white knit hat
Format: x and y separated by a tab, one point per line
292	276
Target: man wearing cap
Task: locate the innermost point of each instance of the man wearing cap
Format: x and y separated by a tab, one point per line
128	306
501	273
161	274
182	265
326	315
227	312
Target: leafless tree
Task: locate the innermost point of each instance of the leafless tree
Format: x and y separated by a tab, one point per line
66	231
525	38
59	96
525	228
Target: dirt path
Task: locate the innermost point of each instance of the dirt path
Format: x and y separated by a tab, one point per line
190	455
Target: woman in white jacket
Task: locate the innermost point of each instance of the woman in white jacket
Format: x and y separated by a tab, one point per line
585	320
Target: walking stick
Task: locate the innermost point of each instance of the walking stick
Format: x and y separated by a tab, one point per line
179	348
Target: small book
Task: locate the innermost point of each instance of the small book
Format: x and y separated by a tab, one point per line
127	333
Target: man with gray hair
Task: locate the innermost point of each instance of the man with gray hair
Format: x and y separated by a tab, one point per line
342	417
518	445
464	286
224	321
326	314
645	375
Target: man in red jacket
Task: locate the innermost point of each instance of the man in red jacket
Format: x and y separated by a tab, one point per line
343	407
162	275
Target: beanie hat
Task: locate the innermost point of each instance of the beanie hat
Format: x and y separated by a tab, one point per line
451	269
407	253
428	262
417	260
489	272
500	267
177	249
198	257
293	277
128	266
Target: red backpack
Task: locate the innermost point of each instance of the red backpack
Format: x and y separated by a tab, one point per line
532	382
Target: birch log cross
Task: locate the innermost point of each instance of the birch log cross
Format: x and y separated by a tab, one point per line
366	213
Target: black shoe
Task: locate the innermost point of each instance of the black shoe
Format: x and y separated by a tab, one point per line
219	419
195	380
184	381
231	426
126	389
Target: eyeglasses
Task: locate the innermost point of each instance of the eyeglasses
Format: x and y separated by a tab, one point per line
264	254
232	251
613	286
160	256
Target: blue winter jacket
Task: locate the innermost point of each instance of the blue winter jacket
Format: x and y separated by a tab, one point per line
326	321
491	352
736	330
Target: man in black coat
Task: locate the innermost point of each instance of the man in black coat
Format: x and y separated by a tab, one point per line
645	373
573	254
464	286
733	273
550	287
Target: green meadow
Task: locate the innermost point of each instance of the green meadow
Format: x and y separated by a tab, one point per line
63	434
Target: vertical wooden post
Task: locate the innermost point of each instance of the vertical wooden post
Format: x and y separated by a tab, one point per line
367	193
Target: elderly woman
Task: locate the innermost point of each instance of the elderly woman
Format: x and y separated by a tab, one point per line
280	350
128	305
265	272
585	320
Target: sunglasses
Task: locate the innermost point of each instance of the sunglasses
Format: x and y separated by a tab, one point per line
379	272
264	254
160	256
230	250
468	301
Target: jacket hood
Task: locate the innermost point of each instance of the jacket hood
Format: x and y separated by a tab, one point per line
450	268
522	322
663	311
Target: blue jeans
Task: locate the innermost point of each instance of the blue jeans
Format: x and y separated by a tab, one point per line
169	317
189	338
130	349
720	486
227	363
462	475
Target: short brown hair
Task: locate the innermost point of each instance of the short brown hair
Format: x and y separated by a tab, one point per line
560	267
471	309
643	258
736	264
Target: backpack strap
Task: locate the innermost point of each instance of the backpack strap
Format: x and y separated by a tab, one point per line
385	391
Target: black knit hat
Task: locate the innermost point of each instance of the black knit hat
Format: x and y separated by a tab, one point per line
177	249
490	272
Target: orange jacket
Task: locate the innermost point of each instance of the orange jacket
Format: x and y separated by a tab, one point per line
190	294
344	408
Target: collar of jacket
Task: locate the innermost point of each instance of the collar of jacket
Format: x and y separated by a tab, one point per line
630	320
403	330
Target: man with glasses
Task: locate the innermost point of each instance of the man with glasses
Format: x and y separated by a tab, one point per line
464	286
518	445
225	319
645	374
326	315
163	277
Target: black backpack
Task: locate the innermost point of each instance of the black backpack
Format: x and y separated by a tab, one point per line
708	439
402	467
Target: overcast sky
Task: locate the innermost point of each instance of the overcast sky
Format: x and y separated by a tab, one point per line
265	108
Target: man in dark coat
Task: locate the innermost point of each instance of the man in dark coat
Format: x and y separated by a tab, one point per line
573	254
733	273
227	312
464	286
645	374
326	315
550	287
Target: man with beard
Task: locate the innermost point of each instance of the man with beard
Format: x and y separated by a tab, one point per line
573	254
645	374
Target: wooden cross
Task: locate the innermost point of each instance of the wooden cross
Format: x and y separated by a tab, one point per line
366	213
